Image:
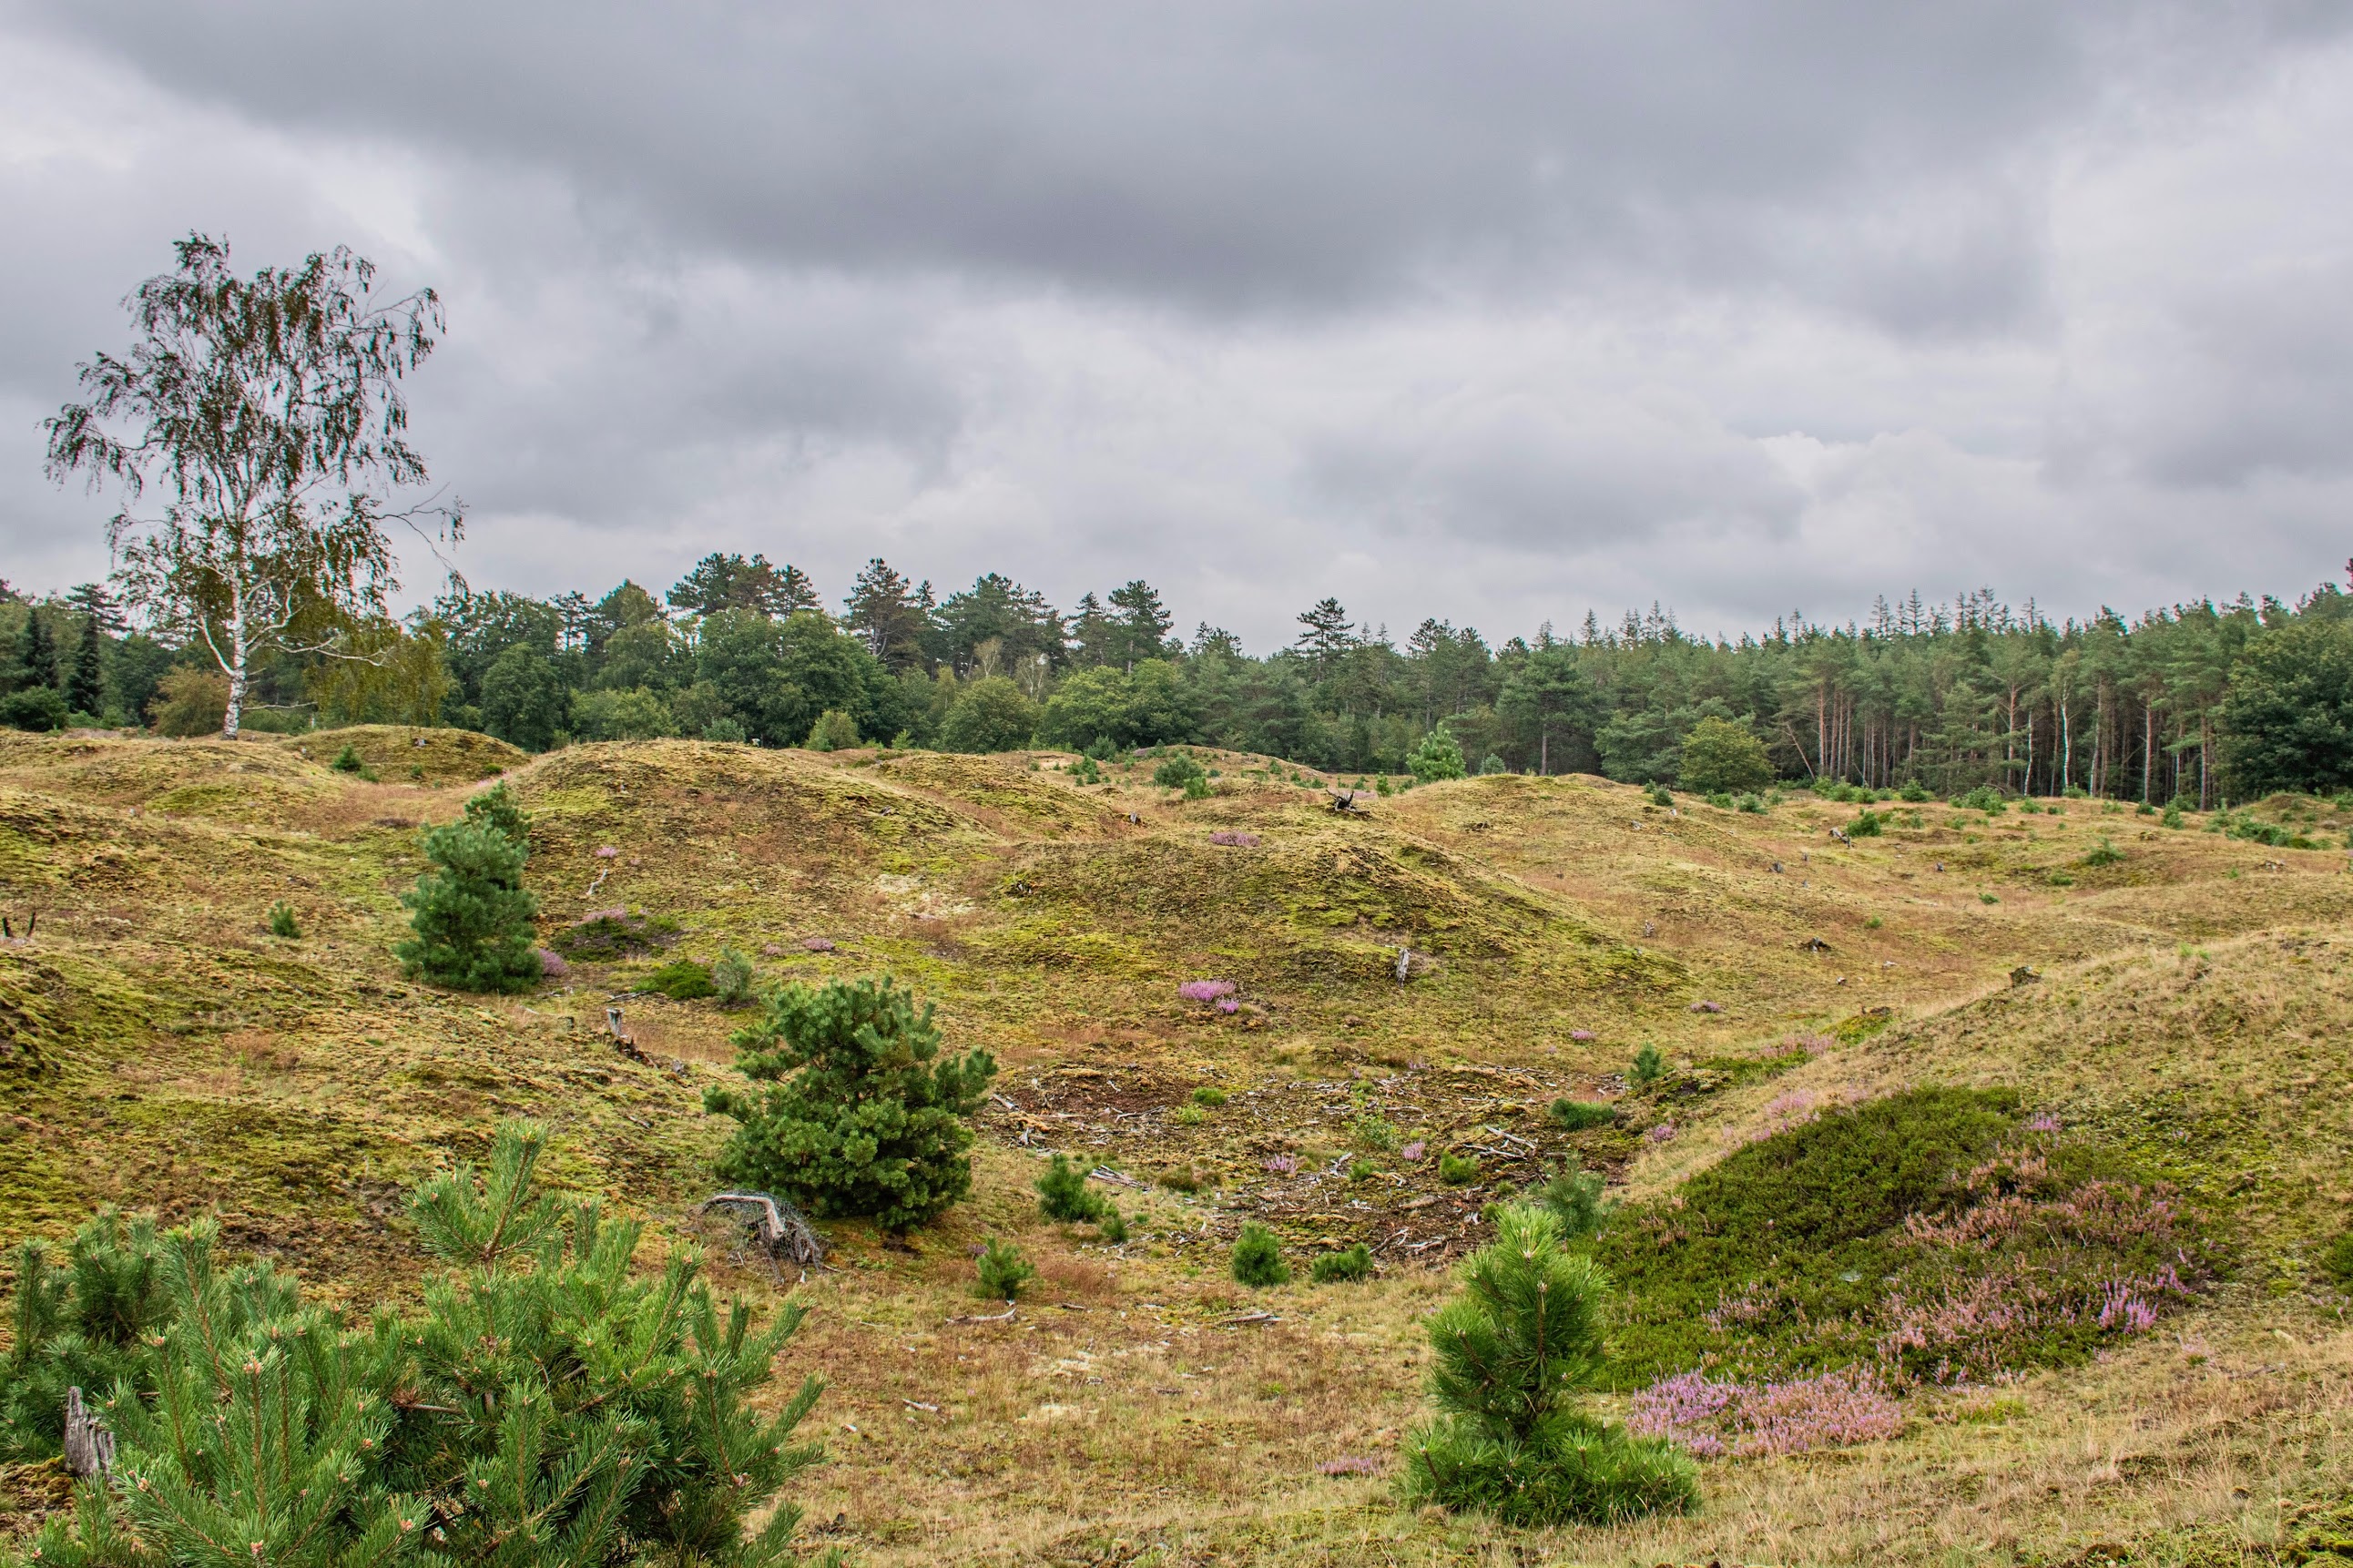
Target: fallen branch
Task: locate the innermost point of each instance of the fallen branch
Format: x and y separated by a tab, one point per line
1105	1173
780	1229
1248	1320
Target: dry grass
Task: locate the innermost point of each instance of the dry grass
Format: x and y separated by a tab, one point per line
161	1050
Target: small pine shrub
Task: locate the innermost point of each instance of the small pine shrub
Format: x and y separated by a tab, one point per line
471	915
1064	1194
683	980
1004	1271
834	730
1375	1132
1987	899
2144	809
1178	771
1573	1198
1754	805
1722	801
1258	1258
1456	1170
1916	793
1189	1115
854	1109
1866	825
1209	1095
1343	1268
732	978
497	808
1111	1230
1492	766
1648	1067
348	760
1576	1115
2104	853
1513	1352
1983	798
282	922
1661	796
1362	1170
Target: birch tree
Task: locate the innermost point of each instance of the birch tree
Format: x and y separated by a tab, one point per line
264	416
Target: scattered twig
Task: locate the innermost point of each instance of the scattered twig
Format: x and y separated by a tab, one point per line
1105	1173
1005	1316
1248	1320
919	1405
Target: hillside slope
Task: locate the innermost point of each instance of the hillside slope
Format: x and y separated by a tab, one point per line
158	1048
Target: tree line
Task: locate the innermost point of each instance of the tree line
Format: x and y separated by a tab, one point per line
2193	701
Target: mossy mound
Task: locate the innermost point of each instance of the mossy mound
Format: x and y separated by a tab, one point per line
397	753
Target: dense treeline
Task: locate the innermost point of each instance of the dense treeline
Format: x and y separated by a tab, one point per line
2196	701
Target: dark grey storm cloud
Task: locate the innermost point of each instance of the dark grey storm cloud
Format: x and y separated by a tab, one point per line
1491	310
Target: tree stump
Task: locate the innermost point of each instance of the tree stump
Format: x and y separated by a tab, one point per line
90	1447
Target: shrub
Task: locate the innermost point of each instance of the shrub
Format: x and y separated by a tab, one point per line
726	732
1179	1179
2104	854
1064	1194
1196	788
732	978
1258	1258
1205	990
834	730
282	922
602	935
1440	756
1004	1271
1111	1229
1754	805
1722	756
1659	795
1178	771
1456	1170
1576	1115
347	760
189	703
1362	1170
1189	1115
683	980
1866	825
1648	1067
990	715
860	1113
41	708
471	915
1915	792
1375	1132
498	807
1491	765
1342	1267
1512	1353
1721	801
499	1412
1573	1198
1209	1095
1983	798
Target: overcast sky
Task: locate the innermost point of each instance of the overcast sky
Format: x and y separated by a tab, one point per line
1484	311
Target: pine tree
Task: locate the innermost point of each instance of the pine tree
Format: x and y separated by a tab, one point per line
37	652
1327	636
471	915
1512	1353
86	680
860	1114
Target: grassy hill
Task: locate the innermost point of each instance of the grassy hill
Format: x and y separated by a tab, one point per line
2175	998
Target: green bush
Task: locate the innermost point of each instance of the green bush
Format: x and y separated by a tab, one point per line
1573	1198
498	809
1985	798
1003	1271
1209	1095
348	760
613	934
1456	1170
1754	805
2104	854
1111	1229
1064	1194
1576	1115
834	730
40	708
1440	756
1659	795
1650	1065
1513	1352
282	922
860	1113
1491	765
1178	771
83	1325
1720	756
499	1414
471	915
1197	787
1258	1258
732	978
1372	1131
683	980
1915	792
1866	825
988	715
1345	1267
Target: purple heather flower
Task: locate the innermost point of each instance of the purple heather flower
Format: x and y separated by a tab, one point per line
817	944
1205	990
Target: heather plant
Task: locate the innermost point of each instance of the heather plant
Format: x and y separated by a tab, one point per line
1713	1418
282	922
1935	1235
1003	1272
1513	1352
855	1110
1345	1267
1576	1115
1064	1194
1258	1258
